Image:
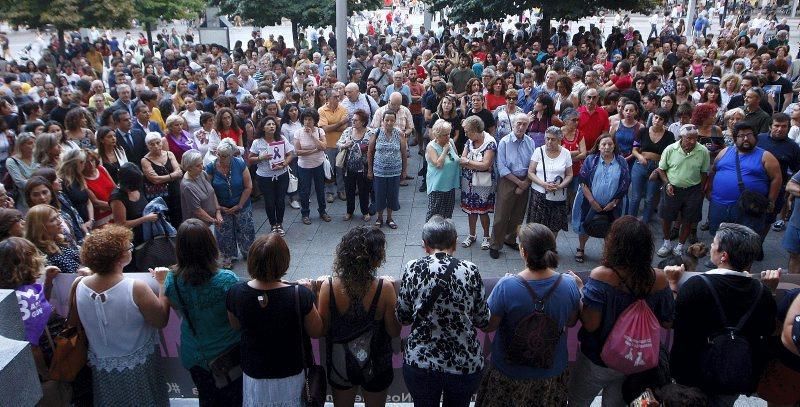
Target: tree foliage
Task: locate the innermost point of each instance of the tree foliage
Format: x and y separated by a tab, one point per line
67	14
475	10
151	11
302	13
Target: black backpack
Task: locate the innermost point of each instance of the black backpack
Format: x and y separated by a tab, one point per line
362	352
727	360
535	337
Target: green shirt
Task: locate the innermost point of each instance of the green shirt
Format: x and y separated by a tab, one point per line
447	178
683	170
206	307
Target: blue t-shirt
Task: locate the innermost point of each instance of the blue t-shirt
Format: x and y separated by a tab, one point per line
206	304
511	301
228	189
611	302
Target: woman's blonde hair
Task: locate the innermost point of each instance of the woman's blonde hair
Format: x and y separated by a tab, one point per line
36	229
441	127
68	169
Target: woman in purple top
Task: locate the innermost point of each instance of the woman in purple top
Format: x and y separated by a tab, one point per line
178	140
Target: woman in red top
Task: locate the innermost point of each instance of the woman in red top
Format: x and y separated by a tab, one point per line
574	142
497	94
226	125
100	185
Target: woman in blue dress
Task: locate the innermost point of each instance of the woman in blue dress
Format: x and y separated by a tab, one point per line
606	179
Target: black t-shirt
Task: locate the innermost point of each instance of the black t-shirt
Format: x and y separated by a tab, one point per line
79	198
778	89
270	335
486	116
133	210
647	145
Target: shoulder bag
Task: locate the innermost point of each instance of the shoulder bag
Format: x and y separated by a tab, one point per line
70	345
549	203
326	164
750	202
226	367
482	178
293	182
315	385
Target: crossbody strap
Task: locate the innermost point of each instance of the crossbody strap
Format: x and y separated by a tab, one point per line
715	296
544	169
438	289
300	326
738	171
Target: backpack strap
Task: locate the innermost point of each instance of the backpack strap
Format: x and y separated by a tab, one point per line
536	299
743	320
720	309
374	306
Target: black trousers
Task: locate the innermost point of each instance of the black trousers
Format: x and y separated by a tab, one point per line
210	395
351	182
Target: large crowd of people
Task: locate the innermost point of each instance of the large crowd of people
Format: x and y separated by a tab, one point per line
112	150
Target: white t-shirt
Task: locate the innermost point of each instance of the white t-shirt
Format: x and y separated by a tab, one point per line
556	168
264	168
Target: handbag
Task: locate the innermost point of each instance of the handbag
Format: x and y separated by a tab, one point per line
750	202
156	252
226	368
341	158
481	178
293	183
70	345
315	385
549	203
598	225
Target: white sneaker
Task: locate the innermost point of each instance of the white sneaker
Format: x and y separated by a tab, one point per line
485	243
665	249
294	204
678	250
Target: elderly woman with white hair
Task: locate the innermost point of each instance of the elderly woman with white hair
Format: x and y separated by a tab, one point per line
443	171
198	198
232	184
177	140
162	176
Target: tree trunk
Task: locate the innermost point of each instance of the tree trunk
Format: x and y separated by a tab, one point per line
62	48
148	29
544	32
295	40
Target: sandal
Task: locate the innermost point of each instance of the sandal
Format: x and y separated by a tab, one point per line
306	220
468	241
379	223
579	255
391	224
485	243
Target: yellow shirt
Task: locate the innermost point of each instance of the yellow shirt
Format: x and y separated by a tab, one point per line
328	117
155	115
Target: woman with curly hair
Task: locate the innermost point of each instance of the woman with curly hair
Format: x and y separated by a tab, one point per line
354	300
611	287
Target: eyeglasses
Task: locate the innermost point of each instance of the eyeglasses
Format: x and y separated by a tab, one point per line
130	247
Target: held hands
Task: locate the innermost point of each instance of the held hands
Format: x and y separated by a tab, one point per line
50	272
610	206
151	217
159	274
674	274
670	190
264	156
642	161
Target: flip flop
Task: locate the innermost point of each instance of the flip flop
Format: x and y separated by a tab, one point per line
379	223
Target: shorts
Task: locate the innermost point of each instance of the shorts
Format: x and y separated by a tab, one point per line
378	383
791	239
687	202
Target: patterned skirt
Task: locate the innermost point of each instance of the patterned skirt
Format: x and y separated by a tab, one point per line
474	199
552	214
441	203
143	385
499	390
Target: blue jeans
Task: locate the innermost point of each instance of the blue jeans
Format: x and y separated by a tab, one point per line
642	187
305	176
427	386
718	213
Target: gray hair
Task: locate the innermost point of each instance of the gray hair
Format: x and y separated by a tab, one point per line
23	138
568	113
687	129
742	244
226	147
555	131
515	118
190	159
439	233
152	136
576	72
473	123
442	127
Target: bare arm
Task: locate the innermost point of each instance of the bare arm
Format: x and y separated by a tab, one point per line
786	334
774	174
120	214
154	311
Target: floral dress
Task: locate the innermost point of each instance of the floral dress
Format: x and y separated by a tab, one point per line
475	199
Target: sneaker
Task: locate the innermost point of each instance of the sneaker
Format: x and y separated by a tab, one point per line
279	230
468	241
665	249
294	204
485	243
329	198
274	228
678	250
778	225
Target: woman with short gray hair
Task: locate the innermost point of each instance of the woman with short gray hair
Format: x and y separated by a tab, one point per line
232	184
442	298
198	199
550	172
443	171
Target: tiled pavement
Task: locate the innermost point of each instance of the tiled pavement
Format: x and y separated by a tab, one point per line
313	246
